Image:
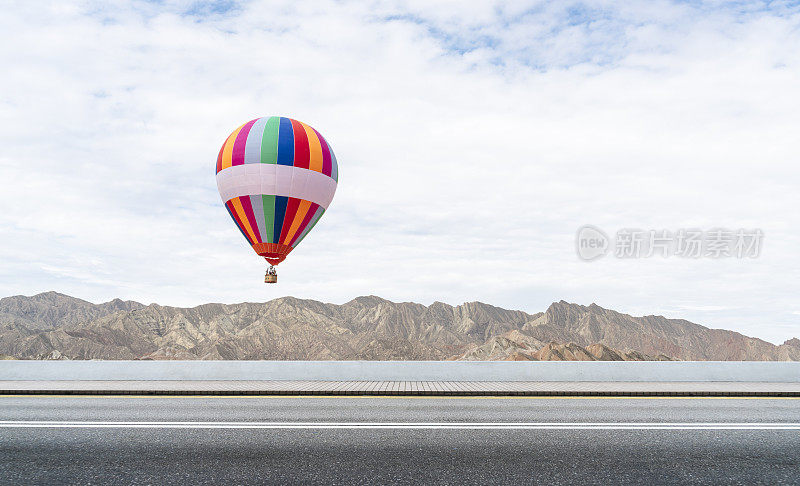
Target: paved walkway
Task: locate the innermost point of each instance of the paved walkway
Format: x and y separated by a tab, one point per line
407	388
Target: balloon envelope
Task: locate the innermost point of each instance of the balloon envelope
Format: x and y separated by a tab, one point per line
277	177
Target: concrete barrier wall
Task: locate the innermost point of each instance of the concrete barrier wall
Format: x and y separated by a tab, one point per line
665	371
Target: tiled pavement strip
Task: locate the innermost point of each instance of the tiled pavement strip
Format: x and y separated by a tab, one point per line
401	388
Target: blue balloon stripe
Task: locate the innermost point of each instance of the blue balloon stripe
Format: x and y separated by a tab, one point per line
285	142
280	213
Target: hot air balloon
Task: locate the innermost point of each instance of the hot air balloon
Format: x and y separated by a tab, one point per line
276	177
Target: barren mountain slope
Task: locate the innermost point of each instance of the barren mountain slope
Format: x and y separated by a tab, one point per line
52	325
652	335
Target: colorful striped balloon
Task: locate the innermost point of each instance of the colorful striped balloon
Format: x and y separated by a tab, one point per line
276	177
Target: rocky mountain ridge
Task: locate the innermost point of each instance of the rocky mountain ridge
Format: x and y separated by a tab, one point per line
56	326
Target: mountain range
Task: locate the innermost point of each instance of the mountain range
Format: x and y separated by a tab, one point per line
56	326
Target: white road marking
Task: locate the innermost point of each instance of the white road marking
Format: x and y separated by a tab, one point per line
410	425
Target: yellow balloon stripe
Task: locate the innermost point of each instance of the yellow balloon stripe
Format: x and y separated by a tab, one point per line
314	148
302	210
227	152
237	206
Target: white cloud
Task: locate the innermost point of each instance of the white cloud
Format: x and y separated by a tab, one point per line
473	141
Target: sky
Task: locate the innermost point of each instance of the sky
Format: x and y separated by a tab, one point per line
474	139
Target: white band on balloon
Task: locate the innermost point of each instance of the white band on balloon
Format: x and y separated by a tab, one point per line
278	180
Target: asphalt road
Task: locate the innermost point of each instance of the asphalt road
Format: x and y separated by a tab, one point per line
363	440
